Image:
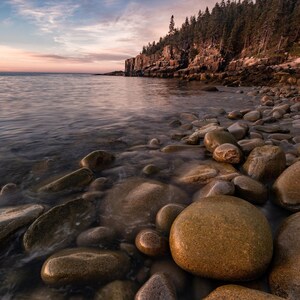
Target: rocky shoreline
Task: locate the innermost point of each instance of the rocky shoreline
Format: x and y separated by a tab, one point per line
211	66
201	229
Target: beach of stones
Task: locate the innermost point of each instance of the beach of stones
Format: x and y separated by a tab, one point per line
212	214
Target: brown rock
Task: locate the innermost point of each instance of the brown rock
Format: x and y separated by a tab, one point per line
215	138
222	237
228	153
97	160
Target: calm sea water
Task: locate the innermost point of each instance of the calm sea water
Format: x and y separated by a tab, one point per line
48	122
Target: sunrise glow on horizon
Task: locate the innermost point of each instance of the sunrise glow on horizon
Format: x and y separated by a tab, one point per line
85	36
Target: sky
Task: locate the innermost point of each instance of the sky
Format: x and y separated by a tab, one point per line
88	36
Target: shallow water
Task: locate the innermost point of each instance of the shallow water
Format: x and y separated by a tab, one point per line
48	122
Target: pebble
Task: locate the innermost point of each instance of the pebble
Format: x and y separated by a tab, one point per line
236	233
215	138
166	216
252	116
151	243
228	153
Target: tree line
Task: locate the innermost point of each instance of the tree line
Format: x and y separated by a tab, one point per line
261	27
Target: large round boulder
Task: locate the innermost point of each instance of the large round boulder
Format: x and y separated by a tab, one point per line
285	272
133	204
232	291
265	163
84	265
222	237
287	188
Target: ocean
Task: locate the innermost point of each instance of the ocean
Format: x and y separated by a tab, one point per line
49	122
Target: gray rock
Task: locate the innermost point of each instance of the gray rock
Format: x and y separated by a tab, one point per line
287	188
158	287
238	130
236	233
84	265
265	163
72	181
14	218
133	204
214	188
58	227
251	190
284	277
270	129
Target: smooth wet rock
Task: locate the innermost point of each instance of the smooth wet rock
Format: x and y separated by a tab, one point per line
97	160
151	243
158	287
189	117
84	265
16	217
222	237
270	129
40	293
284	277
178	148
228	153
252	116
280	136
248	145
167	266
175	123
58	227
238	130
133	204
97	236
265	163
210	89
98	184
8	190
166	216
267	100
117	290
150	169
250	189
72	181
234	115
204	172
287	188
215	138
238	292
214	188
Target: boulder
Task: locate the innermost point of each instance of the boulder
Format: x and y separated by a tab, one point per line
16	217
97	160
250	189
252	116
248	145
222	237
265	163
58	227
284	277
72	181
215	138
238	130
287	188
84	265
239	293
132	205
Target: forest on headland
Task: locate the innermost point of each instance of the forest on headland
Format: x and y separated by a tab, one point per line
237	28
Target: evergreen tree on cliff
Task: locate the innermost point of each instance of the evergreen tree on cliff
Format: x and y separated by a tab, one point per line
172	25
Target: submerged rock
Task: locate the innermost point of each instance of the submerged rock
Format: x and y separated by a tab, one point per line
72	181
287	188
84	265
239	292
133	204
285	272
97	160
58	227
14	218
222	237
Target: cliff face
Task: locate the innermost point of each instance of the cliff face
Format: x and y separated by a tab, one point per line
210	64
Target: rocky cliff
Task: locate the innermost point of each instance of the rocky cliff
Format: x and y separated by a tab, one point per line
210	64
